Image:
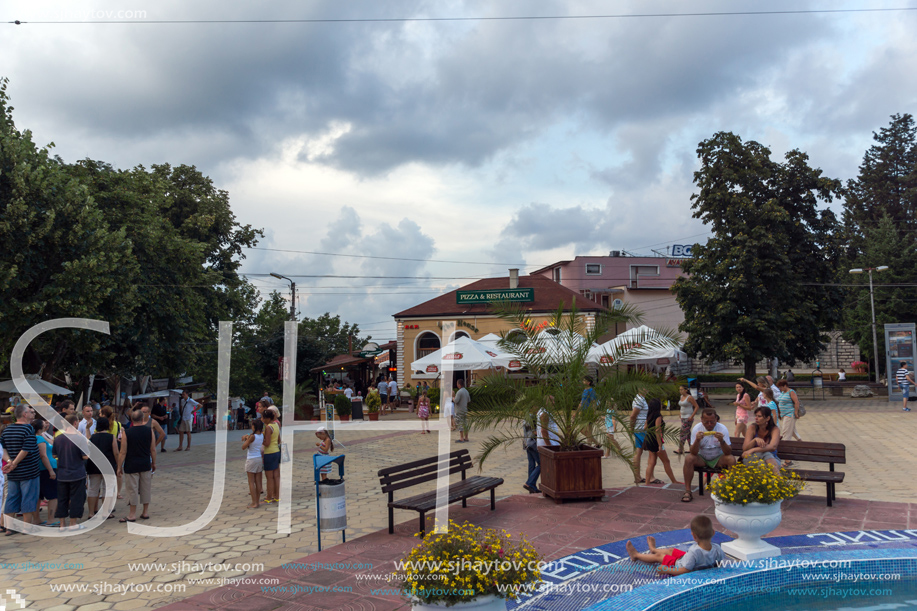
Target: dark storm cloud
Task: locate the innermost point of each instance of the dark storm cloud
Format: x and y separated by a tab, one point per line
541	227
454	93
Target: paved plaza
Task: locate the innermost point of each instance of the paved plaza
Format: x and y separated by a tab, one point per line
102	562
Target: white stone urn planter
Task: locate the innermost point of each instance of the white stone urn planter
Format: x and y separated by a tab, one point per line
481	603
750	522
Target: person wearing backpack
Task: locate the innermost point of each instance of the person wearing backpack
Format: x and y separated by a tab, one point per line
788	409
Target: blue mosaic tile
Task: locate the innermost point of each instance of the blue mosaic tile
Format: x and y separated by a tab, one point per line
605	579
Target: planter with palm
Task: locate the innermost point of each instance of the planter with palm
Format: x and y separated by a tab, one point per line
305	401
559	359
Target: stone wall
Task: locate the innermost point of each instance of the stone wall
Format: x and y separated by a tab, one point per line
838	353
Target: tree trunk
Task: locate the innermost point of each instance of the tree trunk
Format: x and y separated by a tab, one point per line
750	368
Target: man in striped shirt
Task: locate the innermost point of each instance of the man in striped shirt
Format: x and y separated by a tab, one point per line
22	469
904	378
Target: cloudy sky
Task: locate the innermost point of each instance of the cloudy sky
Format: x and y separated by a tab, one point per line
456	148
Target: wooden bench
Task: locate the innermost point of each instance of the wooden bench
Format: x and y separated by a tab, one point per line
798	451
426	470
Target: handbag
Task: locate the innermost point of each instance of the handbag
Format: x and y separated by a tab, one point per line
802	409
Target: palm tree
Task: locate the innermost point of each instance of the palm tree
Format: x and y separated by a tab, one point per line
558	360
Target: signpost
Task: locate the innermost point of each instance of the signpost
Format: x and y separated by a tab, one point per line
518	295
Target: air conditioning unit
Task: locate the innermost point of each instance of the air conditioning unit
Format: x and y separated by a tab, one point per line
615	253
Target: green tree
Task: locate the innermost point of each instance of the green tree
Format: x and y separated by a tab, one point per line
883	244
885	186
155	253
59	256
322	338
756	289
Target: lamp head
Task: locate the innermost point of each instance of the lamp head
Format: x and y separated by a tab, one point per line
278	276
853	271
881	268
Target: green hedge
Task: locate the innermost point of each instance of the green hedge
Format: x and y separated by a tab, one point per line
342	405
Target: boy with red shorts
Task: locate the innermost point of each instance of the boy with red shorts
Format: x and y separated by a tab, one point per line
703	554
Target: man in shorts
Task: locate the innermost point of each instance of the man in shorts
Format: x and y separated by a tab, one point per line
638	423
710	447
904	378
383	392
22	467
188	405
462	399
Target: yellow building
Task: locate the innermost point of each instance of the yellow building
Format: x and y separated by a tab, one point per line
420	327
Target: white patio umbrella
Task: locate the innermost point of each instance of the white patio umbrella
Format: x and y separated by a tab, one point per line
490	339
466	354
40	386
641	345
556	346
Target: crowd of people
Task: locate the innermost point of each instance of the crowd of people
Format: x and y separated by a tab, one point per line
52	471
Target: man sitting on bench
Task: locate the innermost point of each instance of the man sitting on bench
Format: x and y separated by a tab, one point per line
710	447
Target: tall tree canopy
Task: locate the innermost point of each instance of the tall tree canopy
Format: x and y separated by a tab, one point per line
880	226
885	186
756	289
155	253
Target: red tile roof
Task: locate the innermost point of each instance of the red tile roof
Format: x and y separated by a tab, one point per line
548	295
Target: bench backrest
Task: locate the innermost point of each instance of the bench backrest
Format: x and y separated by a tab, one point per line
805	451
423	470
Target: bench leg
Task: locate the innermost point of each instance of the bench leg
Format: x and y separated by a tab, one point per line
464	503
391	521
700	483
423	524
493	499
828	485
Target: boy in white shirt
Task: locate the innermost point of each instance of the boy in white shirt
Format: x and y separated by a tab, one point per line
672	561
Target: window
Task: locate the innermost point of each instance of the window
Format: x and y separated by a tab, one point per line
641	270
427	343
593	269
556	274
459	334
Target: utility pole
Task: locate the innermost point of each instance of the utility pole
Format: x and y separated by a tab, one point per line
872	305
292	294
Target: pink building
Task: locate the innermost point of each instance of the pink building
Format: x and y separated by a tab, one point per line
644	282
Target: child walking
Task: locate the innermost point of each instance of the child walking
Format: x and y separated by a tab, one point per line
423	412
254	463
325	447
703	554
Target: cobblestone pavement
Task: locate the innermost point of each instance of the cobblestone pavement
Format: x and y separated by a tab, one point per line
101	564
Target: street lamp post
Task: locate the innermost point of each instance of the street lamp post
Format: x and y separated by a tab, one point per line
872	305
292	294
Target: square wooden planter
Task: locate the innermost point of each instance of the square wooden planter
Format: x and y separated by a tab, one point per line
571	475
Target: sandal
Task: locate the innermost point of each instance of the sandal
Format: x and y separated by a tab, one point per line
657	481
123	520
687	497
642	481
144	517
677	452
